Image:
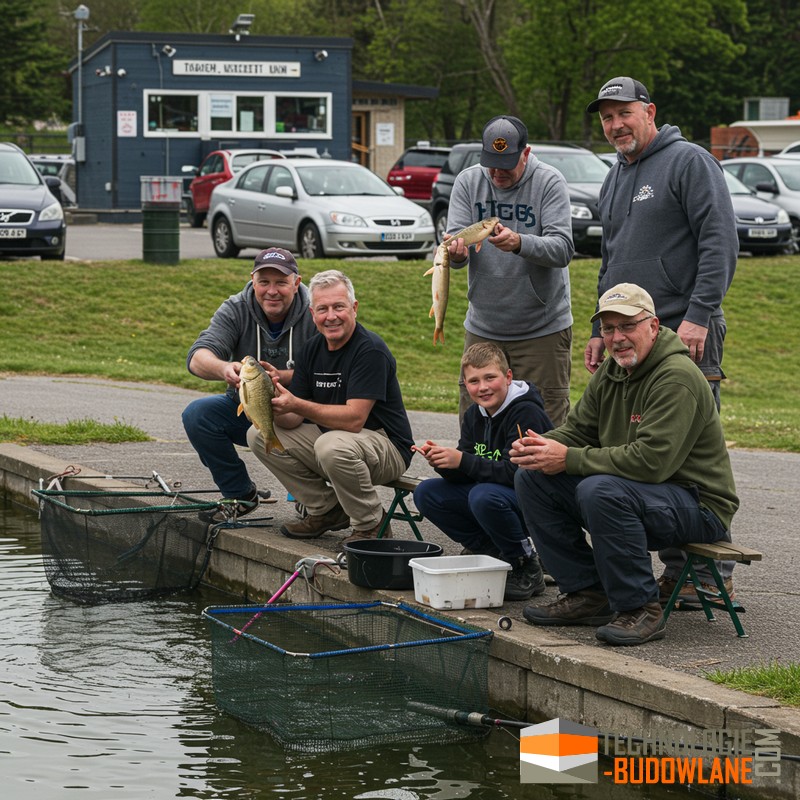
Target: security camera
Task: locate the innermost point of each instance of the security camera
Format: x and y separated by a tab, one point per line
122	72
168	50
321	55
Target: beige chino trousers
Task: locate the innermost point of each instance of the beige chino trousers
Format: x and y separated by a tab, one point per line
320	469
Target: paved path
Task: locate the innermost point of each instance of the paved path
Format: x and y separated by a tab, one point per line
767	484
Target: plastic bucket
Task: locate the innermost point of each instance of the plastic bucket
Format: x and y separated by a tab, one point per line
384	563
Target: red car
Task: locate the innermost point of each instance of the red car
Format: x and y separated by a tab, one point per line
417	169
217	167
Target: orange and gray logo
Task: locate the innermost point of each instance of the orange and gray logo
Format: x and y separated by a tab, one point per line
500	145
558	751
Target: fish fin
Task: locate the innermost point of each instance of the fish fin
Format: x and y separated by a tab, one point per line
478	246
275	442
429	272
431	314
240	410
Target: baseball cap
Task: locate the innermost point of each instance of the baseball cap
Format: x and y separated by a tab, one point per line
504	139
276	258
626	90
625	298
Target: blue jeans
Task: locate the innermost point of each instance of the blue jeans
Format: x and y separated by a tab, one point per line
626	519
213	429
475	515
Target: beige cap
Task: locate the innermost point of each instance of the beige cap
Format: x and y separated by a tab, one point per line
625	298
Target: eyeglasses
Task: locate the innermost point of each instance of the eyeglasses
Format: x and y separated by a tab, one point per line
625	328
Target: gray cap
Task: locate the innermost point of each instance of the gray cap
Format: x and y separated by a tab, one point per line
276	258
625	90
504	139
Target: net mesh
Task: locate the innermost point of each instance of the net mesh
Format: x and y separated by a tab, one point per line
338	676
105	546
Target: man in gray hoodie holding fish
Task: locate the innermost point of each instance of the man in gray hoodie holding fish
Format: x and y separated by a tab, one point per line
518	288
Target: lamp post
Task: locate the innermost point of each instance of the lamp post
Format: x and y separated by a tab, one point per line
81	14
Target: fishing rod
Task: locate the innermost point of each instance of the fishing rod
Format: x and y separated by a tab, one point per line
477	719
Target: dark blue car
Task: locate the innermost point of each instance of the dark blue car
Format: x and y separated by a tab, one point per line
31	217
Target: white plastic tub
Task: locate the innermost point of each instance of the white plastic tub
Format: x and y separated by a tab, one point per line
459	581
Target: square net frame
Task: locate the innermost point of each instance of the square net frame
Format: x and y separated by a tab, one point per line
333	677
117	546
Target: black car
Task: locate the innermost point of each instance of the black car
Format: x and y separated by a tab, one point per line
582	169
31	218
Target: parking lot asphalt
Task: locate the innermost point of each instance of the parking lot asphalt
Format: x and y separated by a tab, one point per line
767	520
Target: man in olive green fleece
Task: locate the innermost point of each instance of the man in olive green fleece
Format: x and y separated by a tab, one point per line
641	463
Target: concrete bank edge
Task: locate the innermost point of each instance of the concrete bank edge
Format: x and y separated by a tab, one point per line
534	672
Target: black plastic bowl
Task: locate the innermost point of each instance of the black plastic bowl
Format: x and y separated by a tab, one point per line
383	563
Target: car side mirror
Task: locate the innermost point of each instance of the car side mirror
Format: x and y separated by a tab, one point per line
399	190
286	191
54	185
188	169
767	186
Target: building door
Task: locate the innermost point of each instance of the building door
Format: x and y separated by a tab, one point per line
361	138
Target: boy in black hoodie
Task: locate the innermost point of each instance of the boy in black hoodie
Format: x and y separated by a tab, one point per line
473	501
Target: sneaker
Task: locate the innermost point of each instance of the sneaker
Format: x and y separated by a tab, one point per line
586	607
526	578
641	625
231	508
370	533
314	525
687	597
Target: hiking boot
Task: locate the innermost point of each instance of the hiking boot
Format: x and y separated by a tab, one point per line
370	533
586	607
687	597
231	508
314	525
526	578
641	625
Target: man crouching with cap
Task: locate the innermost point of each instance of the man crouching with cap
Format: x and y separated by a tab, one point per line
519	296
268	319
641	464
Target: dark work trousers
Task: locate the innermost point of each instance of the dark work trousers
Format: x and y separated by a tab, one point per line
475	515
625	518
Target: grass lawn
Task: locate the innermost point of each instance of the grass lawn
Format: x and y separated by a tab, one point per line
132	321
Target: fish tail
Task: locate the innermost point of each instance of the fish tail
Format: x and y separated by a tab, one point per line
438	335
274	443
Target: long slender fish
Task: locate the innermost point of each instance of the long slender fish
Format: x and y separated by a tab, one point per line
256	391
440	283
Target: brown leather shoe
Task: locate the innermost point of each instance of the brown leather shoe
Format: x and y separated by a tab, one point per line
312	526
370	533
641	625
687	597
586	607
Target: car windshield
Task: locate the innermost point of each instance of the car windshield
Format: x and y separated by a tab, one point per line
337	180
16	169
576	167
790	175
735	186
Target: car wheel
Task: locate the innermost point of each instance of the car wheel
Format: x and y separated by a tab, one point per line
440	224
224	246
196	219
310	242
794	247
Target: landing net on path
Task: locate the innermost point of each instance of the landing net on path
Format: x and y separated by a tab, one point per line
112	546
332	677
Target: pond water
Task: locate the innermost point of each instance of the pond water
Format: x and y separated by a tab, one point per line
115	701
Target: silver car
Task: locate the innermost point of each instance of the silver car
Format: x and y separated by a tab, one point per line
319	208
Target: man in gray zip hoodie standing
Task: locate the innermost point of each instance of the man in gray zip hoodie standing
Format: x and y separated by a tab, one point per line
270	320
669	227
519	296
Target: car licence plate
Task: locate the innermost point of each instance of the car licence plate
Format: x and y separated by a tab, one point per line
12	233
397	237
762	233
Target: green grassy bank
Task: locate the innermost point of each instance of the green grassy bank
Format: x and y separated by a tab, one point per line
133	321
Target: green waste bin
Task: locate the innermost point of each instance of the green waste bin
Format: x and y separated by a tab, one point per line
161	219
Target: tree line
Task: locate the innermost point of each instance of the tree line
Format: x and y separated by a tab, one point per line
541	60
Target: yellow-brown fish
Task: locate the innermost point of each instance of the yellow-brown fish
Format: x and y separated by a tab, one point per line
440	283
256	391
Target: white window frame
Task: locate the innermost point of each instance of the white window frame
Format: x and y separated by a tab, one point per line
204	130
